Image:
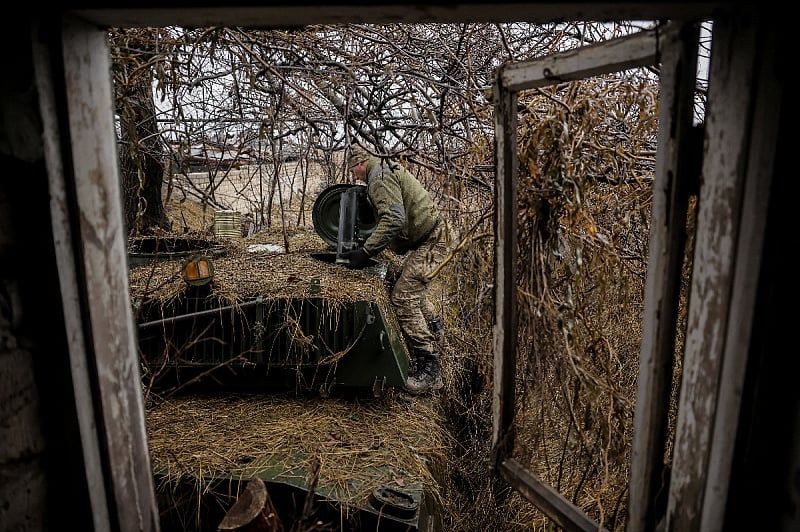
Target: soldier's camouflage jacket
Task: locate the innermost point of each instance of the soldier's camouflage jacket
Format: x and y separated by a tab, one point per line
406	213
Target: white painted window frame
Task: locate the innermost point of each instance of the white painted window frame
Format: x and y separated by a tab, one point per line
675	47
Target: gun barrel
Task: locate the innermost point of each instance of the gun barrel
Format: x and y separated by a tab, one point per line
348	227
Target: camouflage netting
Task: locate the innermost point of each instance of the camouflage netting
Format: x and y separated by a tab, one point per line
585	192
358	445
247	270
240	274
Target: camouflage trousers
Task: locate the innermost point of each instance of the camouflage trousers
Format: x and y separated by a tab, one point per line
414	310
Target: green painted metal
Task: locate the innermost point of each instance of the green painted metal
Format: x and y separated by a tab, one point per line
380	357
307	343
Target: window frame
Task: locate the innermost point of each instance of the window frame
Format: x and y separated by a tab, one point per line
674	45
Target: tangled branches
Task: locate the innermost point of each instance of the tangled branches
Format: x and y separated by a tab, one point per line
264	98
587	154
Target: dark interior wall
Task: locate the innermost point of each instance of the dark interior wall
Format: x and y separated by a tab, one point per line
42	479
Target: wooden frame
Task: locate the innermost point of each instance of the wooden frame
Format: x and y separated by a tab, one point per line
676	172
72	82
747	268
73	75
678	45
258	14
731	221
62	208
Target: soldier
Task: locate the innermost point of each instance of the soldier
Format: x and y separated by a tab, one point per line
408	222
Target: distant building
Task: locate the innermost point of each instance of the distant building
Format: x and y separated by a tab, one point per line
209	156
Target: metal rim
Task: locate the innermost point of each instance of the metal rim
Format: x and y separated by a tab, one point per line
325	214
394	501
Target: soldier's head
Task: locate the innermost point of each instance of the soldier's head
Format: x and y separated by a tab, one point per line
357	161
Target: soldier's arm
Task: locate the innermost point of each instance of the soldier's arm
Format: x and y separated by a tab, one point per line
384	190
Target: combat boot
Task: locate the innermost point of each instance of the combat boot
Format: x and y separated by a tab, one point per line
435	372
427	375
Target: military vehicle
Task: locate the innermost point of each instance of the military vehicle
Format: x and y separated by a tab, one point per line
302	328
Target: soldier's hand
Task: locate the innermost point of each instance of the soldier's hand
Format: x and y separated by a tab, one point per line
357	257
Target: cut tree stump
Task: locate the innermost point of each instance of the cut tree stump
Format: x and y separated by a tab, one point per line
253	511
